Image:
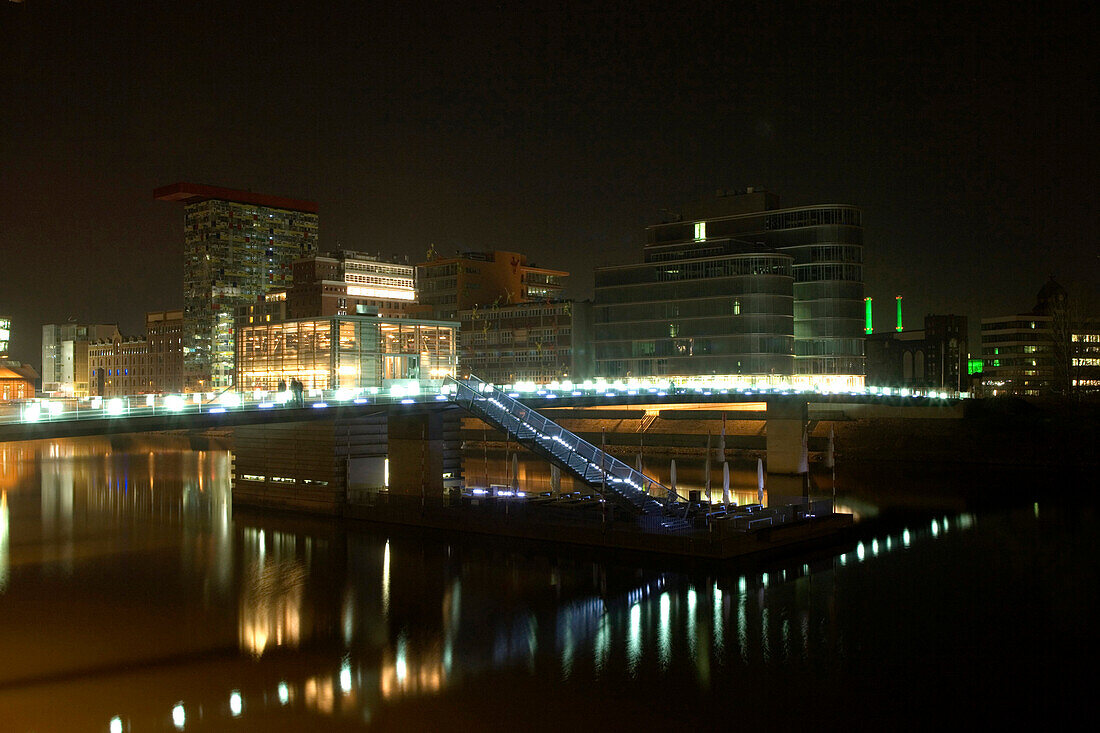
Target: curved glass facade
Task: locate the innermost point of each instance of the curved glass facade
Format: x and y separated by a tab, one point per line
825	243
732	313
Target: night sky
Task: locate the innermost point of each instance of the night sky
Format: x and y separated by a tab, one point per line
967	136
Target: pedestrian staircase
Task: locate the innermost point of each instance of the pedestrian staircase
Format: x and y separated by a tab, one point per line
614	480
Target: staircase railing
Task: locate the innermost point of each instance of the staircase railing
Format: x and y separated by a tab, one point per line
592	465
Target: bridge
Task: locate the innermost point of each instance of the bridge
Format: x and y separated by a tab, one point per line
50	419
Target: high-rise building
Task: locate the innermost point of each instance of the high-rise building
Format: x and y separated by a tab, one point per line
735	285
451	284
61	352
343	283
238	245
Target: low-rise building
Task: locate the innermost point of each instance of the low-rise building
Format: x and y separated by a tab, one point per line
448	285
932	358
531	342
346	283
151	364
65	355
16	381
343	352
1053	349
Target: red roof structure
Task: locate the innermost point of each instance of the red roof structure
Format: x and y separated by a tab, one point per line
189	193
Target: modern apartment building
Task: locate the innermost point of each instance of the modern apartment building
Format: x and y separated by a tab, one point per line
65	355
238	245
448	285
346	282
532	342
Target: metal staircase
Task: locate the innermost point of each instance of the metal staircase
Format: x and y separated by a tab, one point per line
614	480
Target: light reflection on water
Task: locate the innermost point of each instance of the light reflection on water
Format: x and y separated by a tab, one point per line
347	623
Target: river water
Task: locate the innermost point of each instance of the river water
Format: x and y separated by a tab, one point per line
132	597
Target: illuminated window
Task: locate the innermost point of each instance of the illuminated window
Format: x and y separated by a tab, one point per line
700	231
736	307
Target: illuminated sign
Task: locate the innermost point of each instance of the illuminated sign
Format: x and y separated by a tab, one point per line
381	293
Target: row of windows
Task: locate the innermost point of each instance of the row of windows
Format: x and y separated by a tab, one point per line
1006	325
813	217
396	282
693	347
776	285
829	347
694	270
685	328
673	366
742	305
815	273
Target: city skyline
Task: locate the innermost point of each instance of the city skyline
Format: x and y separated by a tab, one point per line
962	137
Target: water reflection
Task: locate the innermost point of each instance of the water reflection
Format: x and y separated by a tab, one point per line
271	592
302	619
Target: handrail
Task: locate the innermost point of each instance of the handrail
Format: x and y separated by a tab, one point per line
613	470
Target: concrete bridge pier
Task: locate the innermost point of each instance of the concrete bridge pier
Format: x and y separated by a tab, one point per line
321	466
786	418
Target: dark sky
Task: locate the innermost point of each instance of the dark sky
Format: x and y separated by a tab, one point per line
967	135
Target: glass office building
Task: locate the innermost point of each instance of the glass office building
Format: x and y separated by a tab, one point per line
727	314
823	245
343	352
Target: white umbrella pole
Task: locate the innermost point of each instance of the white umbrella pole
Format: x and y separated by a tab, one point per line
725	483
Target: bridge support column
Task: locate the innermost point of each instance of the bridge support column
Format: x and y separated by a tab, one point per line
416	453
786	419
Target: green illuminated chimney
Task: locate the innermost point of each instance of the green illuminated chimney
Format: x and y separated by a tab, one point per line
899	313
867	328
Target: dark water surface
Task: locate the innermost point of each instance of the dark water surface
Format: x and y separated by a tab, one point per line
132	597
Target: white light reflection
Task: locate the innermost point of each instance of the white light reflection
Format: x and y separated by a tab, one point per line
664	638
236	704
284	693
400	665
719	642
179	716
5	542
603	643
691	623
386	581
634	647
345	678
116	725
935	528
905	538
860	552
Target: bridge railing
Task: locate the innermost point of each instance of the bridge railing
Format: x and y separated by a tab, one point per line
41	410
619	475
